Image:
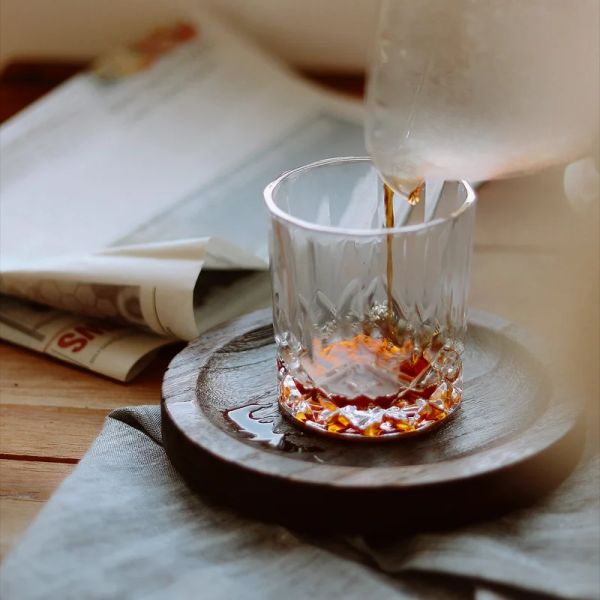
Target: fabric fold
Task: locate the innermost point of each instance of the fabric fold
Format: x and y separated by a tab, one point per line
124	525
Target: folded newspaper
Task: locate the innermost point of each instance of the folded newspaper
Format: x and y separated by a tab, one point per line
131	197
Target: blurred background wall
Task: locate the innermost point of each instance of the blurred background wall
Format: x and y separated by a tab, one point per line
322	35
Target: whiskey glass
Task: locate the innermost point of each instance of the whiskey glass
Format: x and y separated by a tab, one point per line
368	320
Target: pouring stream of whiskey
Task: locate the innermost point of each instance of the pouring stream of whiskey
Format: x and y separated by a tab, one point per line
388	199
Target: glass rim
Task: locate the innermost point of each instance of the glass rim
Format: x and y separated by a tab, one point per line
276	211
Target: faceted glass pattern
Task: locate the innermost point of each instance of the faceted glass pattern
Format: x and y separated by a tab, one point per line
358	357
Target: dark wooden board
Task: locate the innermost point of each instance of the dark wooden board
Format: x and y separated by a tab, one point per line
516	435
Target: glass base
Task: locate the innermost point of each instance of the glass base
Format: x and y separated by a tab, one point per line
406	413
368	386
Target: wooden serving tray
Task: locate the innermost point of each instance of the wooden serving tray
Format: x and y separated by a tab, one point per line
515	436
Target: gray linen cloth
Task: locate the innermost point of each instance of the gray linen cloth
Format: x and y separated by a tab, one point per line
124	525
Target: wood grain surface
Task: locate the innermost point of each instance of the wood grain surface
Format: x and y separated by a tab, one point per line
223	432
49	415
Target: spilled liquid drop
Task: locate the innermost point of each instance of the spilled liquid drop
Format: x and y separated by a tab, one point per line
257	422
258	429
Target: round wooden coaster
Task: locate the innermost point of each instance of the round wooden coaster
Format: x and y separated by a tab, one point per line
515	436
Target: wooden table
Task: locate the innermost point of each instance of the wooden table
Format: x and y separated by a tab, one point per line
51	412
